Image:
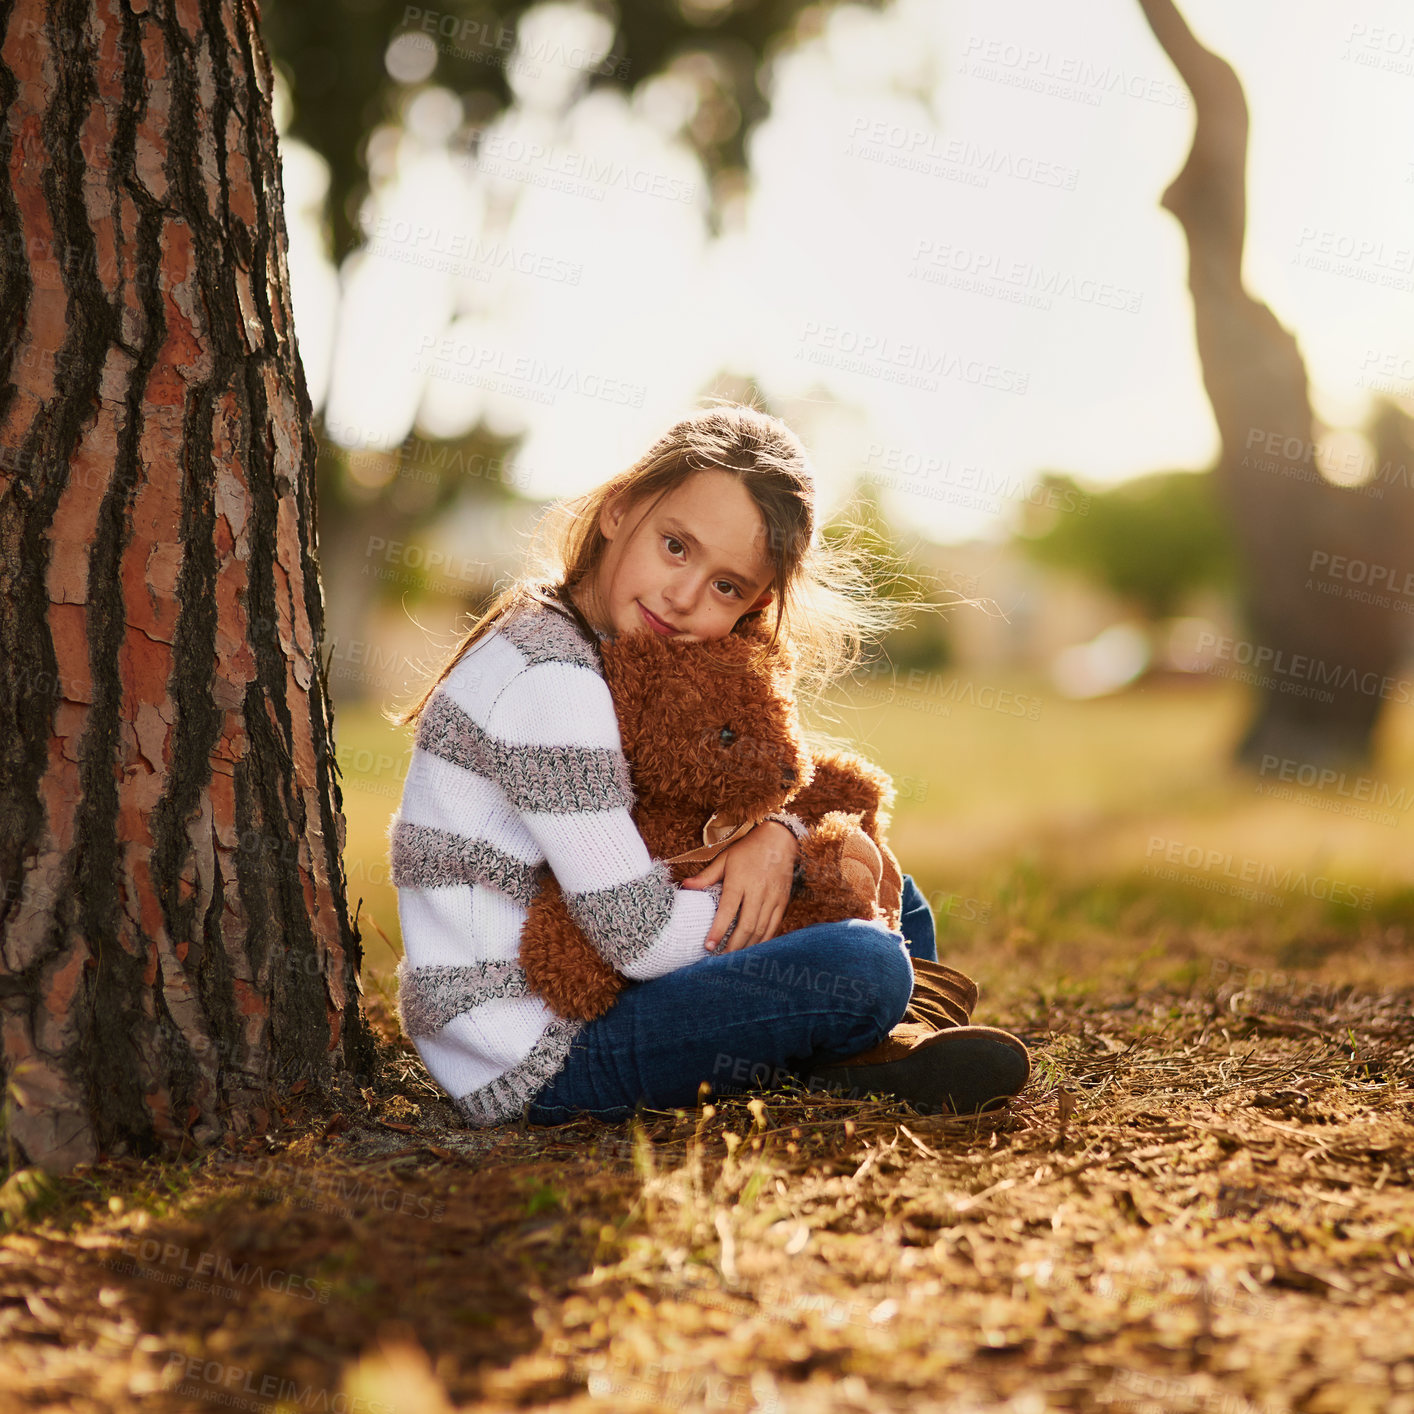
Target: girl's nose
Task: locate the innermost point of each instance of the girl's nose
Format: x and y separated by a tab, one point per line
679	598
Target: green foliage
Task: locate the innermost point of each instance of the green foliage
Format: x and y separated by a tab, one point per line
862	522
1151	541
923	645
333	58
543	1196
26	1194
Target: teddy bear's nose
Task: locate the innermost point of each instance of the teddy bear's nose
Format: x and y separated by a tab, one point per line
788	774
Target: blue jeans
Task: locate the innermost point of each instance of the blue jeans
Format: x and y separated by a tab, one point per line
758	1015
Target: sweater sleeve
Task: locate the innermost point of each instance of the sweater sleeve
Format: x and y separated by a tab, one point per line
555	751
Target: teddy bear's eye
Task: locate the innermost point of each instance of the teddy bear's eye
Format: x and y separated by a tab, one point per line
728	736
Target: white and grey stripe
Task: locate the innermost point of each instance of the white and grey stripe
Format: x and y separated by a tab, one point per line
546	635
563	779
510	1092
514	762
625	920
424	857
430	997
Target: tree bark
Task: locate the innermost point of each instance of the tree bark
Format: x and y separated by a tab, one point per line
1323	660
174	931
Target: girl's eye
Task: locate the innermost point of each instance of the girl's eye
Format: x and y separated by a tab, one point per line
728	736
726	586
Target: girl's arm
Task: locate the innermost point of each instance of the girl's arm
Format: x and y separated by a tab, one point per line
755	876
551	742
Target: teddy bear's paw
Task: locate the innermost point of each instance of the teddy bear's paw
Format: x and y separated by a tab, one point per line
861	863
840	867
890	885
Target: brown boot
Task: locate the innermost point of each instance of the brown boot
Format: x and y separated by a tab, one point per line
942	996
959	1070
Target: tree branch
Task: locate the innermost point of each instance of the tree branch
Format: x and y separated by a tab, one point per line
1209	195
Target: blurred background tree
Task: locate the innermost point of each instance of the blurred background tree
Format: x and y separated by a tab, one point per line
336	60
1152	542
1282	506
352	68
1028	759
335	57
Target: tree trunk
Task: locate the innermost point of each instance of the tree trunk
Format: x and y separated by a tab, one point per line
1323	659
174	932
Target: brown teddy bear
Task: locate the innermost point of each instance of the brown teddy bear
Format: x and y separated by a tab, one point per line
714	744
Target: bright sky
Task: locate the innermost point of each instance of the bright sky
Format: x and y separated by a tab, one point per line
950	271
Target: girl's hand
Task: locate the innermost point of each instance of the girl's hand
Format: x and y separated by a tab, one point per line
756	874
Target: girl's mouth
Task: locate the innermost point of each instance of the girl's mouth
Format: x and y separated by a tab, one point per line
656	624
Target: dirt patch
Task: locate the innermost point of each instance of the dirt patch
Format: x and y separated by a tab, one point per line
1203	1201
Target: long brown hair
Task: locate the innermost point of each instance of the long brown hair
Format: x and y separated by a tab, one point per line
823	605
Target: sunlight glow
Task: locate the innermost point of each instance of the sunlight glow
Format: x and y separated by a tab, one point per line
949	269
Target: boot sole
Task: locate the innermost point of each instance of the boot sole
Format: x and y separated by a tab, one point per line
965	1070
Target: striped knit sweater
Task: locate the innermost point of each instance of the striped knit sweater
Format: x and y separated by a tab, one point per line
517	764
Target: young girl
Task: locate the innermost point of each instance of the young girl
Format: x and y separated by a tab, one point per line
517	765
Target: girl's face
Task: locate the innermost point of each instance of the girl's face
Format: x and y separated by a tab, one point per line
689	568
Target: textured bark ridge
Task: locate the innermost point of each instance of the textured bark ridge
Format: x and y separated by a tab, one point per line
174	931
1328	662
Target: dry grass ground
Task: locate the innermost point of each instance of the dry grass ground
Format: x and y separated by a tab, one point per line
1202	1202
